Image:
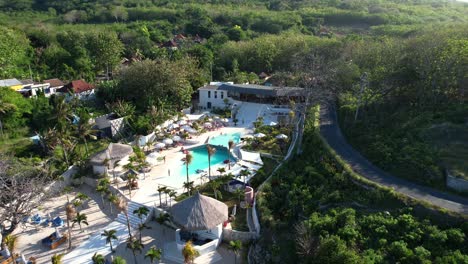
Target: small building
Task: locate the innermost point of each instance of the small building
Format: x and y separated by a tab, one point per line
78	88
217	94
11	83
32	89
109	125
106	159
201	219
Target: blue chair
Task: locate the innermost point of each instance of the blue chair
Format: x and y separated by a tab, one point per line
57	222
36	219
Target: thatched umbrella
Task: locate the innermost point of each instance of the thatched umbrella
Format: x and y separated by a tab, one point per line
199	212
114	151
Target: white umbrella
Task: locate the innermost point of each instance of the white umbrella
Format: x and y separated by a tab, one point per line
160	145
225	120
176	138
273	123
154	155
158	128
181	122
191	131
210	119
216	117
281	136
183	118
172	126
259	135
247	136
168	141
208	125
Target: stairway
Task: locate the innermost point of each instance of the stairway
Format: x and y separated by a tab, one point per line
133	218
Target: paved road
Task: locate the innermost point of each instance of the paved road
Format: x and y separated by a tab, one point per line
331	132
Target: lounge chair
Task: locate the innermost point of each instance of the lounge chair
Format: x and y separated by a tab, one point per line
53	242
36	219
57	222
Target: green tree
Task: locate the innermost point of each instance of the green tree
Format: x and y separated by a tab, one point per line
98	259
80	219
230	146
189	252
153	254
235	246
210	151
14	53
140	212
105	50
135	246
187	161
57	258
119	260
109	235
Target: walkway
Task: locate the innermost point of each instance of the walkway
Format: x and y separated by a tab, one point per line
330	130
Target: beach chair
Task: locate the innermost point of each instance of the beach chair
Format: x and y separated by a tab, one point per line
57	222
36	219
53	242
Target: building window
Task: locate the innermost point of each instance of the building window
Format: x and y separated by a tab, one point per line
209	94
216	95
222	95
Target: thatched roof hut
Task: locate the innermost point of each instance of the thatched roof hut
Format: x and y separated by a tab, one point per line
199	212
114	151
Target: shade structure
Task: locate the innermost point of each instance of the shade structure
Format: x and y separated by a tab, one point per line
281	136
259	135
199	212
168	141
160	145
208	125
273	123
181	122
176	138
115	151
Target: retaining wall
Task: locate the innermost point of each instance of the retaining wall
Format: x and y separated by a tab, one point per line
231	235
455	183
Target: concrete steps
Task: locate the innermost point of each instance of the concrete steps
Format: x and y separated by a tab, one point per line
133	218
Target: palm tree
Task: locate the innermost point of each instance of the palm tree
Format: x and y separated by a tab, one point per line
110	234
141	227
80	199
236	247
238	193
5	108
57	258
230	146
188	186
71	214
98	259
244	173
131	179
167	191
162	218
80	219
214	185
122	206
134	246
211	151
153	253
188	160
221	170
102	190
119	260
112	199
189	252
84	129
172	194
140	212
160	190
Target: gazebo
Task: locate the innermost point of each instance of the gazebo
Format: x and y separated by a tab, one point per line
201	220
106	158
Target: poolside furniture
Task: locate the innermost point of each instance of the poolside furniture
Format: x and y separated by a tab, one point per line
36	219
57	222
54	240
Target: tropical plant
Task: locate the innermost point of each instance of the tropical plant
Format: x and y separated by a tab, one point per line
11	242
98	259
80	219
172	194
71	214
235	246
244	173
215	185
230	146
57	258
210	151
189	187
109	235
162	218
84	128
167	191
239	193
122	205
112	199
80	198
160	191
153	254
189	253
140	212
131	181
188	160
119	260
102	190
221	170
135	246
4	109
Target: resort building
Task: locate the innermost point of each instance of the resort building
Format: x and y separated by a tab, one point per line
221	95
105	159
11	83
78	88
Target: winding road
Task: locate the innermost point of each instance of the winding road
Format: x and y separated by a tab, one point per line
331	132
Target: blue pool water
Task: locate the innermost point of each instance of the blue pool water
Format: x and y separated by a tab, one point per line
200	159
222	140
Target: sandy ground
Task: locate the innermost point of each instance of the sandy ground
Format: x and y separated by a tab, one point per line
157	235
30	235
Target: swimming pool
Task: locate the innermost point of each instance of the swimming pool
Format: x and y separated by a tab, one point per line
223	140
200	159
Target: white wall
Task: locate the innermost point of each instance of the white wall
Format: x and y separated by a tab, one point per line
215	102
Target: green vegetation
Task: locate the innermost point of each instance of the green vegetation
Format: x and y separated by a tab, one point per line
336	219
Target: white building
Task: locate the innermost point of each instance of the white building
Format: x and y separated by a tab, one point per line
211	97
